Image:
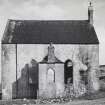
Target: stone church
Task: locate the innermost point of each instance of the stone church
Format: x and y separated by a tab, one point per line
41	57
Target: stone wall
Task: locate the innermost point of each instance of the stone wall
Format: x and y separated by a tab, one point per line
94	67
8	69
59	79
84	57
27	85
46	89
42	78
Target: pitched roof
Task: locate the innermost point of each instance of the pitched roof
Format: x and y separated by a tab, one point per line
46	31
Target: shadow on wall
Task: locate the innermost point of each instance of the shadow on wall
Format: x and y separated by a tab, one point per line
27	85
0	91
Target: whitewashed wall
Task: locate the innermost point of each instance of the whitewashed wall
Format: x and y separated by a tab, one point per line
8	69
26	52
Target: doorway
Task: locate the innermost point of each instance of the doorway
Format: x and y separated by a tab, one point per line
68	71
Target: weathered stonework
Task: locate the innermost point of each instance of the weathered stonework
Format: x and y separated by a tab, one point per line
8	69
58	84
84	57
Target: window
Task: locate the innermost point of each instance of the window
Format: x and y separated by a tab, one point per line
50	75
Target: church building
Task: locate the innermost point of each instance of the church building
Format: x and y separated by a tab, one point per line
40	58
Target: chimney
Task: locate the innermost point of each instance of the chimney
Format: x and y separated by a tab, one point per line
90	13
51	56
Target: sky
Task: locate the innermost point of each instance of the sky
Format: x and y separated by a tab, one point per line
55	10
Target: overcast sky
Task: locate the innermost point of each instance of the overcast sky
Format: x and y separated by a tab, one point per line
55	9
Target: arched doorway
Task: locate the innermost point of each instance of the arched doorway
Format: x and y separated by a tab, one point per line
68	71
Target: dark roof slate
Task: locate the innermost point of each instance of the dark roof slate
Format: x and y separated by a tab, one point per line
46	31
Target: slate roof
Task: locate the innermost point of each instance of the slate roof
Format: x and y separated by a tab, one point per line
46	31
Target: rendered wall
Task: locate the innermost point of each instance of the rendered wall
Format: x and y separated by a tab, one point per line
94	67
86	58
8	69
42	78
59	79
57	87
26	52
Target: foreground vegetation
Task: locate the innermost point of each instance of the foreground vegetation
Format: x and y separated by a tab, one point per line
97	98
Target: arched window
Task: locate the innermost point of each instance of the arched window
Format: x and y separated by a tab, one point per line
50	75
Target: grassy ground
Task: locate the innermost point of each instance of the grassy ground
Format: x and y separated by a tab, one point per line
94	99
97	95
75	102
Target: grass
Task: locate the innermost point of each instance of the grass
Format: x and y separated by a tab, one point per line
93	96
97	98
